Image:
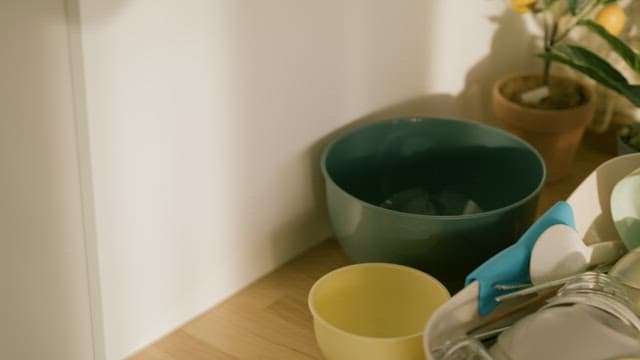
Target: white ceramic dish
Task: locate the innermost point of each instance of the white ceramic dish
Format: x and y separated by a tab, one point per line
591	199
625	209
560	252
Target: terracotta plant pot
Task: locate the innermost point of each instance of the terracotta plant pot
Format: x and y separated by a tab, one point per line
556	134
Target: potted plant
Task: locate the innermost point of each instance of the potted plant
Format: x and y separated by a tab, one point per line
551	111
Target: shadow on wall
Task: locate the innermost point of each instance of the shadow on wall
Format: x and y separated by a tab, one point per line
512	50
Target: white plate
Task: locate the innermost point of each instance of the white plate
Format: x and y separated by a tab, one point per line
591	199
625	209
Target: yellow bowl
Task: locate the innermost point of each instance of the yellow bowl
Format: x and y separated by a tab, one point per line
374	311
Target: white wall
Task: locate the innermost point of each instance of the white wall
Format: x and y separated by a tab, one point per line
44	292
205	120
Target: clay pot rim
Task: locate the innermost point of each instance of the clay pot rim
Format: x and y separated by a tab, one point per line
588	90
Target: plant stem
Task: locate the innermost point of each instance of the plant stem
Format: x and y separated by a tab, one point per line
551	37
549	33
548	47
579	17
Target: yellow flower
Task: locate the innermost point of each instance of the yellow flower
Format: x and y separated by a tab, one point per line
523	6
612	18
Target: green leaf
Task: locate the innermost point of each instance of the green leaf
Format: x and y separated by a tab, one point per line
595	67
586	57
575	6
626	53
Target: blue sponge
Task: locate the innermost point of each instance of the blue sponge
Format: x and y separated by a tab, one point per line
511	265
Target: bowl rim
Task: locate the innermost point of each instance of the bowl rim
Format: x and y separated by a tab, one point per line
415	119
317	283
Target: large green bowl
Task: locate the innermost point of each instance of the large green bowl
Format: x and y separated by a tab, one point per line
439	195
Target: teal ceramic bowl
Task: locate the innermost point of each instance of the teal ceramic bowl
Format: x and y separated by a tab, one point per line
440	195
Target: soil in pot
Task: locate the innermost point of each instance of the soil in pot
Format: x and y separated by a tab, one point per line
563	93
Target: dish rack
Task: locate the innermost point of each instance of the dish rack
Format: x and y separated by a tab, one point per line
588	205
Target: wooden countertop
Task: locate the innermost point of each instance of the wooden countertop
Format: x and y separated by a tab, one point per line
269	318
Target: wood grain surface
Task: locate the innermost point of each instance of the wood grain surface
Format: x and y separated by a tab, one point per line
269	318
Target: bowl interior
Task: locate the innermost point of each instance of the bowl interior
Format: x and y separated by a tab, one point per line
377	300
434	166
